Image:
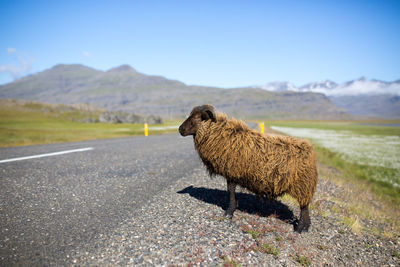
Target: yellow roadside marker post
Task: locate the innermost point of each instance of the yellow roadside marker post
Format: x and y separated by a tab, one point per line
261	127
146	130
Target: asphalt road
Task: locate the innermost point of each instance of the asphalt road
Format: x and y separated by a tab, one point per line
51	206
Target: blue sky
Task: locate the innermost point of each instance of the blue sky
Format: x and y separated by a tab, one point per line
219	43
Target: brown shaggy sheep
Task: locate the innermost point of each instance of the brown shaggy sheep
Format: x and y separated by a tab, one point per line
266	165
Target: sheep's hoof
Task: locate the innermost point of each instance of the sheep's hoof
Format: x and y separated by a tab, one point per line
228	214
302	227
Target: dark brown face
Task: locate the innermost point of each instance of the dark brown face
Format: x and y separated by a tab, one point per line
190	125
198	114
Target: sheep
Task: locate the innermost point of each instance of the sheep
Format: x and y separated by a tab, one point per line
266	165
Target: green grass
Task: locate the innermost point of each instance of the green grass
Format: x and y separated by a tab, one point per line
356	172
228	262
396	254
34	123
303	260
254	233
270	249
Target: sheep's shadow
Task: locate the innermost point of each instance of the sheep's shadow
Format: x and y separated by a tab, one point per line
246	202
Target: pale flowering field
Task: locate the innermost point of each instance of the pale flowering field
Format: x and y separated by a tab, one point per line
364	149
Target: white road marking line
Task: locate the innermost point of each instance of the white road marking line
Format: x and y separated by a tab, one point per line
48	154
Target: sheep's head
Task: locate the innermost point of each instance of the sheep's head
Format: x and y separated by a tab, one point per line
198	114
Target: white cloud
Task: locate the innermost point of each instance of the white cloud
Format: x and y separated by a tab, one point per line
21	65
366	87
86	54
11	50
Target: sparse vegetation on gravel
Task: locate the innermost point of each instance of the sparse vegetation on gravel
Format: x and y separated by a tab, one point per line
303	260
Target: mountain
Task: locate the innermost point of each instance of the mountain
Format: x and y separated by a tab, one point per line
122	69
379	105
361	97
123	88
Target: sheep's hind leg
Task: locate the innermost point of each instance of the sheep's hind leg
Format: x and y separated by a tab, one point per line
304	221
232	200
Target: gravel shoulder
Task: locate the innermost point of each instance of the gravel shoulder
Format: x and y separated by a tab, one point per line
183	225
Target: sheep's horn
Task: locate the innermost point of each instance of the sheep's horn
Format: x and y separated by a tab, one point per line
208	112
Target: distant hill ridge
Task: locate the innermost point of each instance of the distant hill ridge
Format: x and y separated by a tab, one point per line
123	88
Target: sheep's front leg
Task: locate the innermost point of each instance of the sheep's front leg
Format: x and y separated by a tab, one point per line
232	200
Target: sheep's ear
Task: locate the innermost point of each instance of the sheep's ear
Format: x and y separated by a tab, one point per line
208	115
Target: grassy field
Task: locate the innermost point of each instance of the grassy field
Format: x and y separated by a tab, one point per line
366	153
377	127
30	123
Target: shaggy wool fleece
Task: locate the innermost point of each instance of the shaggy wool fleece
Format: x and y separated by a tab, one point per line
266	165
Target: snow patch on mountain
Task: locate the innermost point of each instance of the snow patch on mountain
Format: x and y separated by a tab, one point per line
361	86
279	86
